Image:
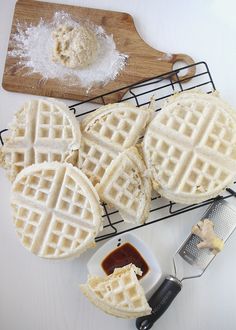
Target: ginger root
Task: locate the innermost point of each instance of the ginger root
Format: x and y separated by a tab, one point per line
205	230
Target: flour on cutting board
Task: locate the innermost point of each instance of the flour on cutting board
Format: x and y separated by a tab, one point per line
34	46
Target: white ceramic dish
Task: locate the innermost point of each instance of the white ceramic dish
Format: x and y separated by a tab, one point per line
154	273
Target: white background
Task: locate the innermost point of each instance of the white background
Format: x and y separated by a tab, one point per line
42	295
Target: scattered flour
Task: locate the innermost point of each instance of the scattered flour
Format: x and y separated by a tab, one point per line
34	46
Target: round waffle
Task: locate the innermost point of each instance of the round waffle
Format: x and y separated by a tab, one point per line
56	210
41	131
190	147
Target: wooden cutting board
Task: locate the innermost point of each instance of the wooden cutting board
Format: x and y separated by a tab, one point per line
143	61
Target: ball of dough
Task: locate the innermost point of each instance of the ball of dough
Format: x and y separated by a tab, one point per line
74	47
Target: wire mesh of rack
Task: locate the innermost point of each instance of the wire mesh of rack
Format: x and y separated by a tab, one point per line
140	94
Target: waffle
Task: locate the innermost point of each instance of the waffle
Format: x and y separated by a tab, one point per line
126	187
190	147
94	159
214	97
108	131
118	294
56	210
41	131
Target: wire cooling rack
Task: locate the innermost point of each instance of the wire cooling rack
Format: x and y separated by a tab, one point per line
140	94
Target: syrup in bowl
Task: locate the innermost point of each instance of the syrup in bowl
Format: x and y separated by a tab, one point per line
122	256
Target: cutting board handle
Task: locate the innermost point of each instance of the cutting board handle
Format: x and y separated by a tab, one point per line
188	61
147	61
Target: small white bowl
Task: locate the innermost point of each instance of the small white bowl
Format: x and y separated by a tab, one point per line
154	273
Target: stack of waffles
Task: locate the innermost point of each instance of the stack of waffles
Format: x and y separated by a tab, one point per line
188	155
61	171
56	208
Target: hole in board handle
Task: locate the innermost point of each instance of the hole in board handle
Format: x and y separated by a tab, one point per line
179	60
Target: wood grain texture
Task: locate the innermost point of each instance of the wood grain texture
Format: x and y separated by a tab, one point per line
143	61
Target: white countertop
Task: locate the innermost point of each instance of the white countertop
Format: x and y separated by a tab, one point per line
42	295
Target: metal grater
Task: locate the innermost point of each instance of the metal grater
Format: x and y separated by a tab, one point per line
224	219
189	261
